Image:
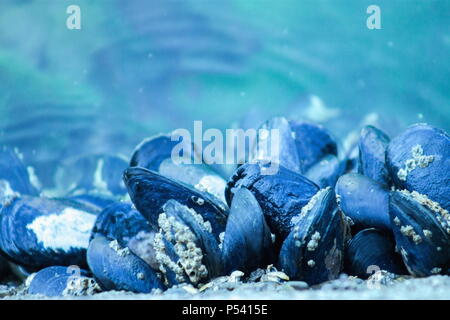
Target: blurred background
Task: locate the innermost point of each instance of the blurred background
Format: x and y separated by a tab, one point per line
140	67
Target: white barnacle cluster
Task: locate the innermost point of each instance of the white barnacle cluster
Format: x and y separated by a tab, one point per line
312	202
314	242
122	252
184	241
81	286
298	243
408	231
397	221
206	225
418	160
442	215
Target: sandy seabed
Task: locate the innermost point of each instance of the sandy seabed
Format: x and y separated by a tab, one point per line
345	288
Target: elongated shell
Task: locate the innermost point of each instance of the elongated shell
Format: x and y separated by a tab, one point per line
117	268
422	232
247	242
314	250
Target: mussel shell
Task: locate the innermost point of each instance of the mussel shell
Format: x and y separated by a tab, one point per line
287	155
314	250
149	191
281	196
120	222
422	235
364	201
432	177
40	232
370	249
188	233
325	172
247	242
14	176
54	281
117	268
151	152
372	155
313	143
155	154
97	174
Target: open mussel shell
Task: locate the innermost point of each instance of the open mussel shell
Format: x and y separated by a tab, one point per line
92	174
419	160
61	281
247	242
313	143
281	195
364	201
40	232
314	250
117	268
372	250
275	143
372	155
422	232
14	176
325	172
149	191
185	246
156	155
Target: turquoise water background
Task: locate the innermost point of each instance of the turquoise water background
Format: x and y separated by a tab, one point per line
139	67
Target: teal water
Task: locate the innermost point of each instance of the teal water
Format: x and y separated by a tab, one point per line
139	67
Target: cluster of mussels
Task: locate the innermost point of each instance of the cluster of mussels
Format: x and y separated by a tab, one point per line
385	204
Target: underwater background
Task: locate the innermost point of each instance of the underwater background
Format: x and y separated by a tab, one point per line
140	67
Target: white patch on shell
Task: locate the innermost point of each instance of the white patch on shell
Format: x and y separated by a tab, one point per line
69	229
214	185
7	194
408	231
312	202
311	263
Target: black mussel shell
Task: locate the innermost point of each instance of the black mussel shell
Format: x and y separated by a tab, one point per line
40	232
364	201
155	154
313	143
149	191
92	174
62	281
422	232
14	176
372	155
247	242
419	160
151	152
314	250
117	268
372	250
281	196
325	172
185	246
279	147
121	222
